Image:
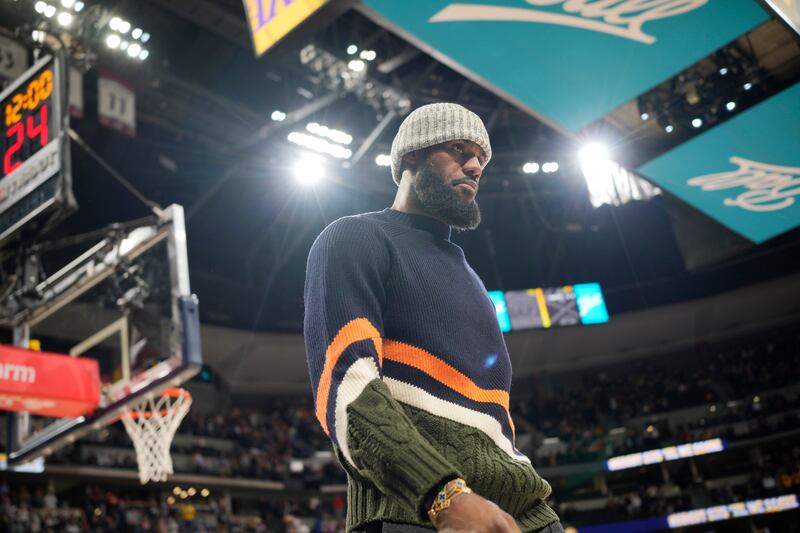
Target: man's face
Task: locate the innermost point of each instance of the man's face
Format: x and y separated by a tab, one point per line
446	182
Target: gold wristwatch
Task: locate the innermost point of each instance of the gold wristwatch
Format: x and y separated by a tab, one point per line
446	495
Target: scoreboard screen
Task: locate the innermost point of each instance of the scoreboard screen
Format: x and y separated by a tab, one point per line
31	147
546	307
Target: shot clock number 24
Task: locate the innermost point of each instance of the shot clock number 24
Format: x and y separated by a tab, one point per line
27	116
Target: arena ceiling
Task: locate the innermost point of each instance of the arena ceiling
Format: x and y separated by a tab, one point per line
205	140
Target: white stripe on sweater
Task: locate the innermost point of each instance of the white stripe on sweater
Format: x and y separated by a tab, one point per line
421	399
355	380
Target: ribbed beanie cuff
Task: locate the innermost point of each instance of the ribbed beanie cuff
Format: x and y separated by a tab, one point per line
434	124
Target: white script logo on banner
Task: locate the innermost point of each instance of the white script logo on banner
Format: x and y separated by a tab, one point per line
622	18
769	187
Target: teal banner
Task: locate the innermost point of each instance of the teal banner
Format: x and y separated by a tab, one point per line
744	173
570	61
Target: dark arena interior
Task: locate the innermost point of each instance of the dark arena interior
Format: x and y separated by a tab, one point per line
168	165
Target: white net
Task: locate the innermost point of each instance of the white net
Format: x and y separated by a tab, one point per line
151	424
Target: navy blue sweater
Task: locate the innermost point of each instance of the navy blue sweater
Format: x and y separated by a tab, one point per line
410	371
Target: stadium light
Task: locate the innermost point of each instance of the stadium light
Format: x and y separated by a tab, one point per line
79	6
550	167
143	54
278	116
64	19
319	145
697	122
748	86
593	154
368	55
723	70
136	33
134	49
383	160
68	3
336	136
356	65
352	49
645	116
308	169
113	41
730	106
531	167
49	11
670	128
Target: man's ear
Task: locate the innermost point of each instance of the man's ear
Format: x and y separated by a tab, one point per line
411	160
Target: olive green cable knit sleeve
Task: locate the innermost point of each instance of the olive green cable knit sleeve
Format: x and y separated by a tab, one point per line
388	450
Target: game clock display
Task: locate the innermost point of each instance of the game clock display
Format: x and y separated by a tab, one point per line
35	177
28	117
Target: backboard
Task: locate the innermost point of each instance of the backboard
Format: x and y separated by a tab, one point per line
125	301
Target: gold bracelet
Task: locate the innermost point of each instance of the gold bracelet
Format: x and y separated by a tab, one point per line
446	495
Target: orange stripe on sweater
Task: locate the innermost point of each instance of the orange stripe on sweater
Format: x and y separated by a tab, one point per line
445	374
356	330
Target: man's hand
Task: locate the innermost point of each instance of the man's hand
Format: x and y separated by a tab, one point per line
470	512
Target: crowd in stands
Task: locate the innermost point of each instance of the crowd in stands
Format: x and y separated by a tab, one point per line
34	509
593	416
583	411
737	390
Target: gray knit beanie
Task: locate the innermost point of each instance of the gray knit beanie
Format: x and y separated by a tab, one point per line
434	124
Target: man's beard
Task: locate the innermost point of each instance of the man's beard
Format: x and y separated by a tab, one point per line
442	201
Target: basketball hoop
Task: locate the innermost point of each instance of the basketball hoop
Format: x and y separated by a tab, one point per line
151	424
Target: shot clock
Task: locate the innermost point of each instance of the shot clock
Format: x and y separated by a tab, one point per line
28	118
33	151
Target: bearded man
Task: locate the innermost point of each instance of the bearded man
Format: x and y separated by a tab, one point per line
397	331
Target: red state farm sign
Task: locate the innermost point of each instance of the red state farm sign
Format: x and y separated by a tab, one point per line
47	384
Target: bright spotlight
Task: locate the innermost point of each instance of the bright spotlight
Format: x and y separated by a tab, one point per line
593	154
645	116
697	122
68	3
134	49
144	55
145	37
278	116
124	45
114	23
136	33
64	18
308	170
79	5
730	106
113	41
531	167
669	128
205	493
356	65
383	160
319	145
368	55
723	70
549	167
352	49
40	6
49	11
124	26
748	86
